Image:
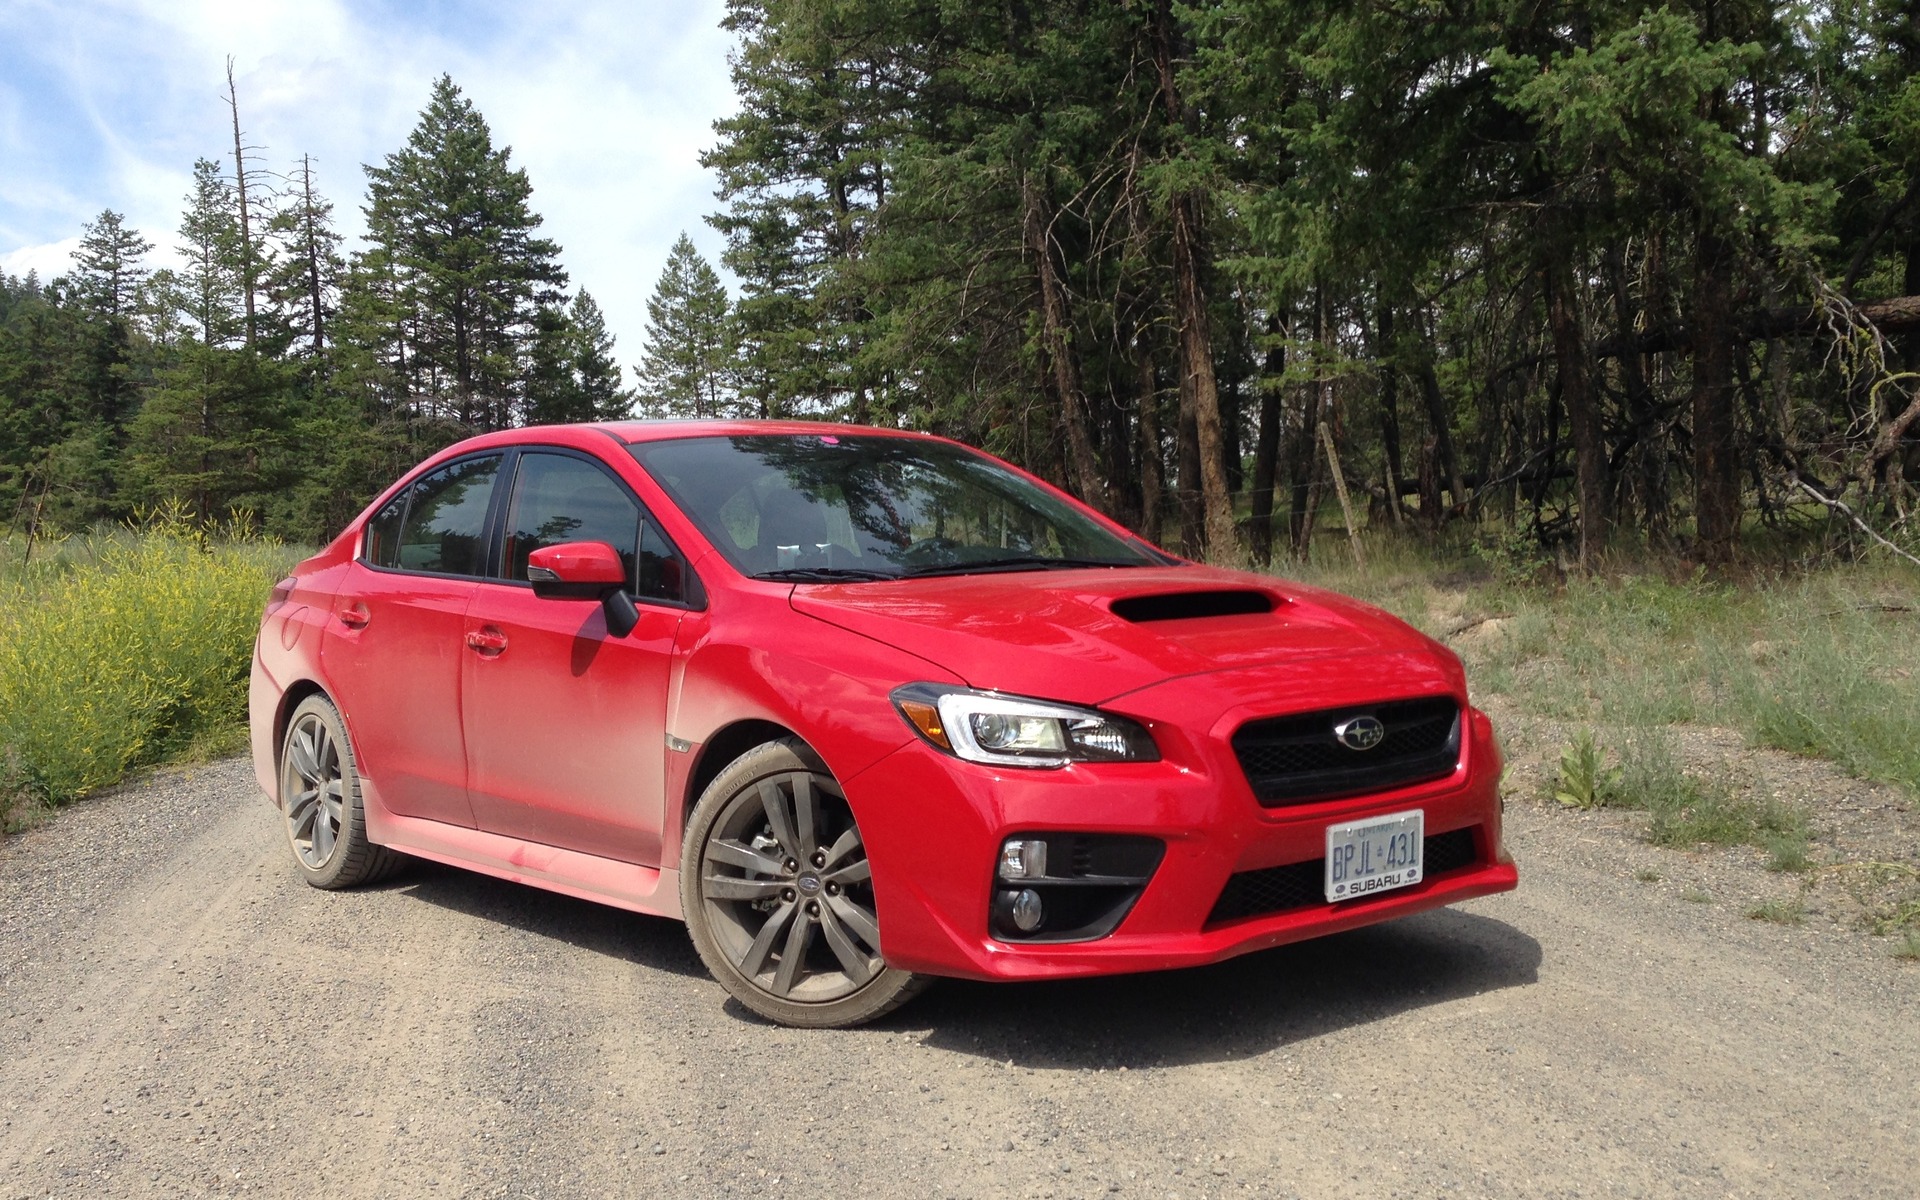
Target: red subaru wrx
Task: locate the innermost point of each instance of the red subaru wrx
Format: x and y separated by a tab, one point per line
862	707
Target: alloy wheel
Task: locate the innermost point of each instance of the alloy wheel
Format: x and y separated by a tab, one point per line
316	791
788	892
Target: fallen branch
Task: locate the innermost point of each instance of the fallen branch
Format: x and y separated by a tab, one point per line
1835	502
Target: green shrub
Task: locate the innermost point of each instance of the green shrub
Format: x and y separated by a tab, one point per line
124	649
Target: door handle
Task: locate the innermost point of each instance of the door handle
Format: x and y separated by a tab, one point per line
355	616
487	641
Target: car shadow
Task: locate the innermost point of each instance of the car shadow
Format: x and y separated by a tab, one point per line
1244	1006
653	942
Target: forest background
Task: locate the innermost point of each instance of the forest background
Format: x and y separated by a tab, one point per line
1581	273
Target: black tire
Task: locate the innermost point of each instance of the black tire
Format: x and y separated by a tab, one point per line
778	897
320	802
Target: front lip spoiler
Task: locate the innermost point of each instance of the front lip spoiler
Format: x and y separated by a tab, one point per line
1121	953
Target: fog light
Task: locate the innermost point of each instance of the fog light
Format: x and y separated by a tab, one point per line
1027	911
1023	858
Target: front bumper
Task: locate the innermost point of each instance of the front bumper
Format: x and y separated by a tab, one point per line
933	827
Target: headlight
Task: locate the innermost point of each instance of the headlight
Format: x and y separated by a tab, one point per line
1012	731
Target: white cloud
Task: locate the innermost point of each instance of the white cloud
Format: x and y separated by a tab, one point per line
47	261
606	104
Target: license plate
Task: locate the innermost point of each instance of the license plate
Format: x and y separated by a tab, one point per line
1375	854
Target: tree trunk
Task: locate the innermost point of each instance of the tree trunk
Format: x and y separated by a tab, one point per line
311	234
1442	433
248	282
1057	340
1390	413
1576	392
1187	451
1266	451
1199	390
1152	474
1716	467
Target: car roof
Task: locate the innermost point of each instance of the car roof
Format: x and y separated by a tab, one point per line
632	432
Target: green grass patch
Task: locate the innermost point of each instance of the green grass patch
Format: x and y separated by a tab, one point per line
1823	662
123	649
1791	911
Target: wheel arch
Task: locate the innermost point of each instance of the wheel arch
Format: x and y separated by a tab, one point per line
292	698
728	743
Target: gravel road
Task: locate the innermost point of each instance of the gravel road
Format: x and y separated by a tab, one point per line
181	1016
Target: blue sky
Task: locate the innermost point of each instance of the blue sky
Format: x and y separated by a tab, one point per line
106	103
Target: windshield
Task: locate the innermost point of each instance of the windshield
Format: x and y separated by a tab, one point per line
831	507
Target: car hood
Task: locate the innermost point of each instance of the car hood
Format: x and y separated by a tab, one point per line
1089	635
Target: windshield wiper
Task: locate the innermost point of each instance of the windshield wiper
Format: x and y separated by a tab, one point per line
1018	562
824	575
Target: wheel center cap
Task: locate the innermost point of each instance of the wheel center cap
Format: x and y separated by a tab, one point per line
809	884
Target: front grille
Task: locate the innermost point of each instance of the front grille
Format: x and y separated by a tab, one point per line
1296	759
1299	885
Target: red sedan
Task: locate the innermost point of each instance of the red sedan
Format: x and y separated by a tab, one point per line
862	707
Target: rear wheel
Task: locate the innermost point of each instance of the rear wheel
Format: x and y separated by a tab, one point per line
778	894
320	802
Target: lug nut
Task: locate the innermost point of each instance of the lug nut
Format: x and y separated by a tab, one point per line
819	858
792	865
833	889
787	894
813	908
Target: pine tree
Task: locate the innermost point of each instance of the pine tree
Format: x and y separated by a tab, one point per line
212	280
305	283
210	433
595	369
684	366
107	269
451	228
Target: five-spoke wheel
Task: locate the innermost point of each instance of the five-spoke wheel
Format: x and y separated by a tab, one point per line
778	893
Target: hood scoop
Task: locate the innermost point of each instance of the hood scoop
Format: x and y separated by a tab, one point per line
1183	606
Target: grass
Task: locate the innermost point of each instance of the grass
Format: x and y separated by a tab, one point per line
1908	948
122	649
1791	911
1822	662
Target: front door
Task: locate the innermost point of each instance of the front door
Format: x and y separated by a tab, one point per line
565	724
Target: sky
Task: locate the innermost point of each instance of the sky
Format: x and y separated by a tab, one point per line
606	105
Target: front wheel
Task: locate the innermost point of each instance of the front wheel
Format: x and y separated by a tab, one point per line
778	894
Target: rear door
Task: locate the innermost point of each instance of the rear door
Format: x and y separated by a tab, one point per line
396	639
566	724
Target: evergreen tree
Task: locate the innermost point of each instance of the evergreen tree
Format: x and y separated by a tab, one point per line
211	281
595	369
455	243
306	276
573	375
685	363
210	434
108	273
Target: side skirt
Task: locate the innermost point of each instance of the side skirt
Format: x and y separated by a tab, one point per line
655	892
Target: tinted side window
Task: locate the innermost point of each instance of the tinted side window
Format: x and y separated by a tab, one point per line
445	530
561	499
381	544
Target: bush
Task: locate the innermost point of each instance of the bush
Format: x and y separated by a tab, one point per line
124	649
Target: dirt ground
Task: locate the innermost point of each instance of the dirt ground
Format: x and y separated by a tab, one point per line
181	1016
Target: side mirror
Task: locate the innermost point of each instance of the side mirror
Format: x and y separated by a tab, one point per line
585	571
575	571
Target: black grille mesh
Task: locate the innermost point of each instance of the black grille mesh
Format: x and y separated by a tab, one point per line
1296	759
1297	885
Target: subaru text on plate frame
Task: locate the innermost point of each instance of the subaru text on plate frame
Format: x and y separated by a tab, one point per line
863	708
